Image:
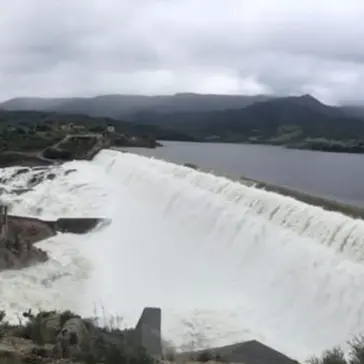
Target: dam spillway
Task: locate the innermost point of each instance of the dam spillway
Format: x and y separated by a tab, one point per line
224	261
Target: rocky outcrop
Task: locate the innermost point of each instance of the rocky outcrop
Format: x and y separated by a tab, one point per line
191	165
18	235
53	337
29	229
15	254
69	171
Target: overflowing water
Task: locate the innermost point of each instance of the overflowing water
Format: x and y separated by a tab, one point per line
225	262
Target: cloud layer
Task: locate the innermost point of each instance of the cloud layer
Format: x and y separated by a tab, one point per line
88	47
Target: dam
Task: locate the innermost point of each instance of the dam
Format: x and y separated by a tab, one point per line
225	262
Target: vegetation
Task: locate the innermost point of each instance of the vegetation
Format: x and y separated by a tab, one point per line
294	122
72	147
49	336
33	130
337	355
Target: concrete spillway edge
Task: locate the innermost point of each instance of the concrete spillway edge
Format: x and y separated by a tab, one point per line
148	335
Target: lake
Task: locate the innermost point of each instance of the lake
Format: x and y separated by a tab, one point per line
335	176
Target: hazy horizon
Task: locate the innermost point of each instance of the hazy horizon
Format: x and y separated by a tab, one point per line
94	96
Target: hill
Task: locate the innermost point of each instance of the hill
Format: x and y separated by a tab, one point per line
124	106
356	111
297	122
32	103
35	130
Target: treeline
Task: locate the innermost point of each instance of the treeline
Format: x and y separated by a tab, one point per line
33	130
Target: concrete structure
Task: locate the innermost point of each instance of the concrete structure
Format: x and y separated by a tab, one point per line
147	334
3	222
249	352
80	225
148	331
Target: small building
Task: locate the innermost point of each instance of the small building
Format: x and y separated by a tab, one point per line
110	129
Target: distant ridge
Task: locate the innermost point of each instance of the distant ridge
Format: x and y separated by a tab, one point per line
125	106
121	106
293	121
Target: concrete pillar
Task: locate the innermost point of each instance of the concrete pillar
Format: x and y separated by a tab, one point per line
148	331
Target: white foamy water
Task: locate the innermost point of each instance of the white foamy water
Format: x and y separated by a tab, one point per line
225	262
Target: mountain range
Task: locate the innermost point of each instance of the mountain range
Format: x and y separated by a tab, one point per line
125	106
295	121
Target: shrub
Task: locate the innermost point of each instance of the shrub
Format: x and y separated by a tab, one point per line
337	356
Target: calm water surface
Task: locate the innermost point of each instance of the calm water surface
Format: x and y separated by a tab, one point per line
333	175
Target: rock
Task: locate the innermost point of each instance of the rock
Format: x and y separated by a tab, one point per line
18	350
51	176
15	350
190	165
16	242
74	339
66	338
50	326
40	168
20	191
15	255
70	171
19	172
29	229
36	179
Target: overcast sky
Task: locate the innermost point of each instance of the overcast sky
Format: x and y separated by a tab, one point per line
89	47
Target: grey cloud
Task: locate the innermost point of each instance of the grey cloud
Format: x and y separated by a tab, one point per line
88	47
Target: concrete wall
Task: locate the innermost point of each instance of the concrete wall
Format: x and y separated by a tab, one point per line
103	143
147	334
77	225
249	352
3	222
148	331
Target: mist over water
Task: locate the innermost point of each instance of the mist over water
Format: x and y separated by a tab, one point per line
225	262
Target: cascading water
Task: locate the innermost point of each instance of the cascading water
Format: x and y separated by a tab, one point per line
225	262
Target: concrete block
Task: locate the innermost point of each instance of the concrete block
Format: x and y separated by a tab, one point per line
148	331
